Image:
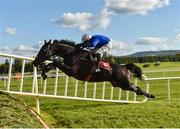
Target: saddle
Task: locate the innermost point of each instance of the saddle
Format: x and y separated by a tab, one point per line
105	65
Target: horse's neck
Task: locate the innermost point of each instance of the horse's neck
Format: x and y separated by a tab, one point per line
62	49
81	53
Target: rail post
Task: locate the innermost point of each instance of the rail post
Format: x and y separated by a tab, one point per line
169	90
9	74
36	91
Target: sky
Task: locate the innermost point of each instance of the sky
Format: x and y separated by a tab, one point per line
133	25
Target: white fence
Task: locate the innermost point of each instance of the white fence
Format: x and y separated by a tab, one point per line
163	72
148	80
68	88
99	91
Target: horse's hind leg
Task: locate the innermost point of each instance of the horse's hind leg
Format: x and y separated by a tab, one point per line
139	91
131	87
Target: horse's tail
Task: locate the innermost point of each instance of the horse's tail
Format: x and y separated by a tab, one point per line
137	72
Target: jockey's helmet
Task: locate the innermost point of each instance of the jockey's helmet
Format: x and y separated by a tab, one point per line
85	37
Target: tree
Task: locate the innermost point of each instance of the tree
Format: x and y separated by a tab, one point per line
6	66
29	67
17	65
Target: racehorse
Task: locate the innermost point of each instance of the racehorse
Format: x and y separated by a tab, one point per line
77	63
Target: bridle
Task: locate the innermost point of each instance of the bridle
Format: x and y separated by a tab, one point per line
48	51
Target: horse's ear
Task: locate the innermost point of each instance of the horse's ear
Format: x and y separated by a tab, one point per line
47	43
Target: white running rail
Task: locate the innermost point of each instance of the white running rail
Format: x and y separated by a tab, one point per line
148	80
90	91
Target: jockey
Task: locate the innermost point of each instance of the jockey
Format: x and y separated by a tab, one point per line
97	44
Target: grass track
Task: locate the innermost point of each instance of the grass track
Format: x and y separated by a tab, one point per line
158	113
84	114
14	114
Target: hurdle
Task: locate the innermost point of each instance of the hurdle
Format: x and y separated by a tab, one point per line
65	87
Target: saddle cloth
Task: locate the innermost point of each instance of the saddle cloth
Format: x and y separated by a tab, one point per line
105	65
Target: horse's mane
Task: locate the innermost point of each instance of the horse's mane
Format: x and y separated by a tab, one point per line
65	41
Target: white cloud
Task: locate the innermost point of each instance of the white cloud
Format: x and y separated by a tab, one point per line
134	6
153	44
5	49
120	48
103	20
161	47
38	46
84	21
10	30
23	48
150	41
178	36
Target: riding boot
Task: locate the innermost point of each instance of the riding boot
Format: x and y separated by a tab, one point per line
98	56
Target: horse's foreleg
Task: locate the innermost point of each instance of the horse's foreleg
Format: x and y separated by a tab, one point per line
45	69
139	91
63	67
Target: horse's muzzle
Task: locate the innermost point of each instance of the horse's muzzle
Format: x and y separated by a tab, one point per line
35	63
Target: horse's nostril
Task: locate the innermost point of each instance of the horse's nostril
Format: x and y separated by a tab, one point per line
34	63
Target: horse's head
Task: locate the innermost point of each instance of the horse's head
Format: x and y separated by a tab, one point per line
43	54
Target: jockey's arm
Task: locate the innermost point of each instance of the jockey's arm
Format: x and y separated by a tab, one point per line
95	44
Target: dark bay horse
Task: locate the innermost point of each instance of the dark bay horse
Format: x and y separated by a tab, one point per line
77	63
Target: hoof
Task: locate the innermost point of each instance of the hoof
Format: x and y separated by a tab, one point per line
44	77
151	96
